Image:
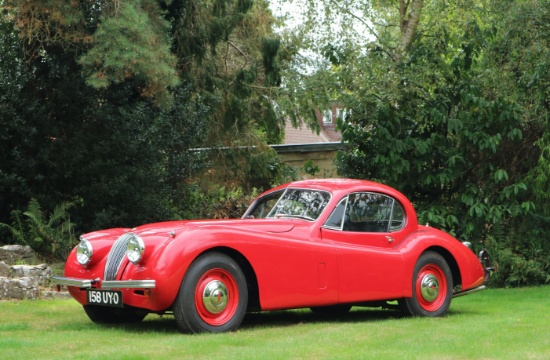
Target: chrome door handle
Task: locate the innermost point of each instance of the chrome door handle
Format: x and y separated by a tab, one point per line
390	239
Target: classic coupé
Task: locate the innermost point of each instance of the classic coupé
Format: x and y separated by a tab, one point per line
320	244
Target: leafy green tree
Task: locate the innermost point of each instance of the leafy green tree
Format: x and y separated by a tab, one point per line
449	103
426	114
117	156
228	52
104	101
113	40
132	41
111	151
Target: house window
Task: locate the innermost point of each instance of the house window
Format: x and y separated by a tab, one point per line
343	114
327	117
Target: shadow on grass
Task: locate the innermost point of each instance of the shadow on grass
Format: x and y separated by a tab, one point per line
167	323
282	318
295	317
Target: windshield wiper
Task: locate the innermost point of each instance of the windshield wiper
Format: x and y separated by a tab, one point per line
304	217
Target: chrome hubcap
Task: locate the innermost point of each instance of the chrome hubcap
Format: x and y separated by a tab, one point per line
429	288
214	297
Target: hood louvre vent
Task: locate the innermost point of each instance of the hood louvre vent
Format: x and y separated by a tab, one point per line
116	255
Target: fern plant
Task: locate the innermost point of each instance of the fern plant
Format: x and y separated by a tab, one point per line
48	234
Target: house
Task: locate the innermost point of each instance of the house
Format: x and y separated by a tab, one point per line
304	147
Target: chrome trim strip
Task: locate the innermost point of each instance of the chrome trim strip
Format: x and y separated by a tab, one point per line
129	284
59	280
466	292
86	284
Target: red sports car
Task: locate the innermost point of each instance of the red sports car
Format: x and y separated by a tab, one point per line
326	244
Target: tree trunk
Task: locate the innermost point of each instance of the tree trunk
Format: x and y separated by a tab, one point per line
409	21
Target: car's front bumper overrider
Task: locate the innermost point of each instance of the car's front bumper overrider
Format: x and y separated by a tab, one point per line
485	261
97	283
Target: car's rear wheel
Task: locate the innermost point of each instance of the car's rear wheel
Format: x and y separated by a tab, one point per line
108	315
213	295
432	287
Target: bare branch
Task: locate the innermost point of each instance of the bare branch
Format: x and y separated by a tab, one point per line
366	24
234	46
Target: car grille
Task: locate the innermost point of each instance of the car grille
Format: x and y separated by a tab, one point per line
116	255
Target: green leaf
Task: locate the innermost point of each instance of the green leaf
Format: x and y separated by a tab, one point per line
500	175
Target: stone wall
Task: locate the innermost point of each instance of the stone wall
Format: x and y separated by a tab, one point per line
23	281
12	254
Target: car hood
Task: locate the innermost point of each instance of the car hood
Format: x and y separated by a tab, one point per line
260	225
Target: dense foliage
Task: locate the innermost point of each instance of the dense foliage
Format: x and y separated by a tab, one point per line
447	102
106	104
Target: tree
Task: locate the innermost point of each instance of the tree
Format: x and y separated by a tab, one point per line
228	52
115	40
333	34
102	103
113	153
424	107
451	108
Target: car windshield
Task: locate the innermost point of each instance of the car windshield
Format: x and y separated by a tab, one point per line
299	203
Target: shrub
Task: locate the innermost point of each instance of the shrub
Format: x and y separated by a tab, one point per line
216	202
522	256
48	234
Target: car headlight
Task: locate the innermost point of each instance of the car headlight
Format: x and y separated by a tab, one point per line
84	252
135	249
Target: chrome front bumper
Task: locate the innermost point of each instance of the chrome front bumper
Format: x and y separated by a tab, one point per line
114	284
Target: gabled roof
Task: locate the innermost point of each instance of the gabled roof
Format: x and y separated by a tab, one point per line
303	135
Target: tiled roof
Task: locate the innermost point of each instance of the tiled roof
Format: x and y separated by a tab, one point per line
303	135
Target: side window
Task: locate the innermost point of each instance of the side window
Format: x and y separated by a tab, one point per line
336	218
398	217
372	212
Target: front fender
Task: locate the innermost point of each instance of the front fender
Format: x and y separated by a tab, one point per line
171	261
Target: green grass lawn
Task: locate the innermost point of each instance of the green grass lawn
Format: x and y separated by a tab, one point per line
494	324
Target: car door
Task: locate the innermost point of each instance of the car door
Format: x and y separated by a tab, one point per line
294	268
364	228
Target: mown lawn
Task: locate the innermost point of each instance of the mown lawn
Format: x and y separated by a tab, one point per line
495	324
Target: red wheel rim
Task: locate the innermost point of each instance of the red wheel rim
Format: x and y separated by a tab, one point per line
431	287
216	297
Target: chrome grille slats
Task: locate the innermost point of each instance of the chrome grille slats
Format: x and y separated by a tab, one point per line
116	255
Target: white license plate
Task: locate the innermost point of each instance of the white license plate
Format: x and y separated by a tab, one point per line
104	297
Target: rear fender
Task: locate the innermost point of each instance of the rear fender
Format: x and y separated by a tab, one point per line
466	268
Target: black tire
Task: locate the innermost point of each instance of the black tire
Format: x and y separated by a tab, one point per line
108	315
213	296
432	285
334	310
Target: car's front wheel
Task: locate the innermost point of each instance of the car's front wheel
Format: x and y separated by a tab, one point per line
432	287
213	295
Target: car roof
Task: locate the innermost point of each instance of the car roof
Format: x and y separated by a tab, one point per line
340	184
340	187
